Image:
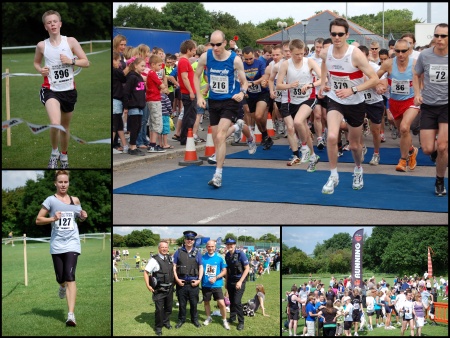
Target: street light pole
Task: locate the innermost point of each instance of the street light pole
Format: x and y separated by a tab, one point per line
304	23
282	25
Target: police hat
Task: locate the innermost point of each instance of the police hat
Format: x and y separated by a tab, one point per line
189	233
230	241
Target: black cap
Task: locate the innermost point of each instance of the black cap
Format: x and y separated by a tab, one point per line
230	241
189	233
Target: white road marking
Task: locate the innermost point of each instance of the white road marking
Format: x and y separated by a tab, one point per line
209	219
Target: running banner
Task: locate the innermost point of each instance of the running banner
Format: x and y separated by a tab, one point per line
357	252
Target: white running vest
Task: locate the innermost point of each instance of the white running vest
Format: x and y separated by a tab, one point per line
342	74
60	77
304	76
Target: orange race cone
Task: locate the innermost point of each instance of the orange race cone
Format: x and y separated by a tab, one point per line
269	126
209	149
190	155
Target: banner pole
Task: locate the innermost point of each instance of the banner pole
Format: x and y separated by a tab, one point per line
8	111
104	237
25	258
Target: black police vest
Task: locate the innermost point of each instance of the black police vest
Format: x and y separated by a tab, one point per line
187	265
234	265
165	276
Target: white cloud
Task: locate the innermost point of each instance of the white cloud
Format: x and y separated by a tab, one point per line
12	179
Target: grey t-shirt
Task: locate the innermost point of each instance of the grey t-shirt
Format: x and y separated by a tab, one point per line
435	69
65	236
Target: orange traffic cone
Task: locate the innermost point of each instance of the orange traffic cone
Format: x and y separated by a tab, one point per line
190	155
269	126
209	149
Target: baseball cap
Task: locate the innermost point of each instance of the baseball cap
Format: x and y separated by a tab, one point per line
346	298
189	234
230	241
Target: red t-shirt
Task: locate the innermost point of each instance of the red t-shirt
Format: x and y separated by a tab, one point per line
185	66
153	82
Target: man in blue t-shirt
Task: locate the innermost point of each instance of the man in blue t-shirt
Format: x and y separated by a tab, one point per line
214	268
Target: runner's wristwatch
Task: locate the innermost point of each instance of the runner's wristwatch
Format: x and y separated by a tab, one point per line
355	90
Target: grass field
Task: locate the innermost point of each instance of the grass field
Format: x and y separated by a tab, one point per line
134	310
91	119
36	309
427	330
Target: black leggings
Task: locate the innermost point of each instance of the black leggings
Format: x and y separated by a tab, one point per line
65	265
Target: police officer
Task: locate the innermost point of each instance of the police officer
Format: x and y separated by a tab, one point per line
237	270
159	279
188	272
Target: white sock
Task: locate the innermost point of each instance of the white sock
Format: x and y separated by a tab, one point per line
219	171
55	151
334	172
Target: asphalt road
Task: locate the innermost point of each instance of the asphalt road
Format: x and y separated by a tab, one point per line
137	209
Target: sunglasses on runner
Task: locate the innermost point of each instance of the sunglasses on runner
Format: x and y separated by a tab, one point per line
401	50
338	34
442	36
374	48
216	44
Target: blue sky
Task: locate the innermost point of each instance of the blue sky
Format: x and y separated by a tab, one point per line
306	238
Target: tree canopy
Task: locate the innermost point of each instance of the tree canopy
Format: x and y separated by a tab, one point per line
22	23
193	17
389	249
21	206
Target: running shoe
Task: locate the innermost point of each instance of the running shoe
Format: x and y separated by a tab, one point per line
252	146
332	183
237	133
306	153
312	164
71	320
53	162
439	188
207	321
155	149
394	133
136	152
346	147
199	140
401	166
268	143
64	160
375	159
320	143
294	160
212	159
383	138
62	292
413	159
358	182
216	181
226	325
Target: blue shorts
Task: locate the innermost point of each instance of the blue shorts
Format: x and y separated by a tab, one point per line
166	125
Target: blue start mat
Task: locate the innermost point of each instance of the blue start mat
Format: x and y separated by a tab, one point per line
294	186
283	153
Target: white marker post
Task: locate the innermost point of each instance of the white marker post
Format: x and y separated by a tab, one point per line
8	111
25	258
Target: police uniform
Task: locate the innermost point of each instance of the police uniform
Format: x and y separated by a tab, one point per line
236	264
160	269
188	269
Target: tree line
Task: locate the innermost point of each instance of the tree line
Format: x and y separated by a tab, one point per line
20	206
193	17
389	249
22	22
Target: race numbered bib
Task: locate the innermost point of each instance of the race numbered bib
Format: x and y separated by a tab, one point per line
61	74
438	74
211	270
400	87
254	88
368	96
298	94
340	82
219	84
65	223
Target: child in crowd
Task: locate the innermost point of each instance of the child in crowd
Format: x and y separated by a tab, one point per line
166	112
118	80
153	98
134	101
340	318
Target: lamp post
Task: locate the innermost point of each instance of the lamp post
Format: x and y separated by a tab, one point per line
282	25
304	23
